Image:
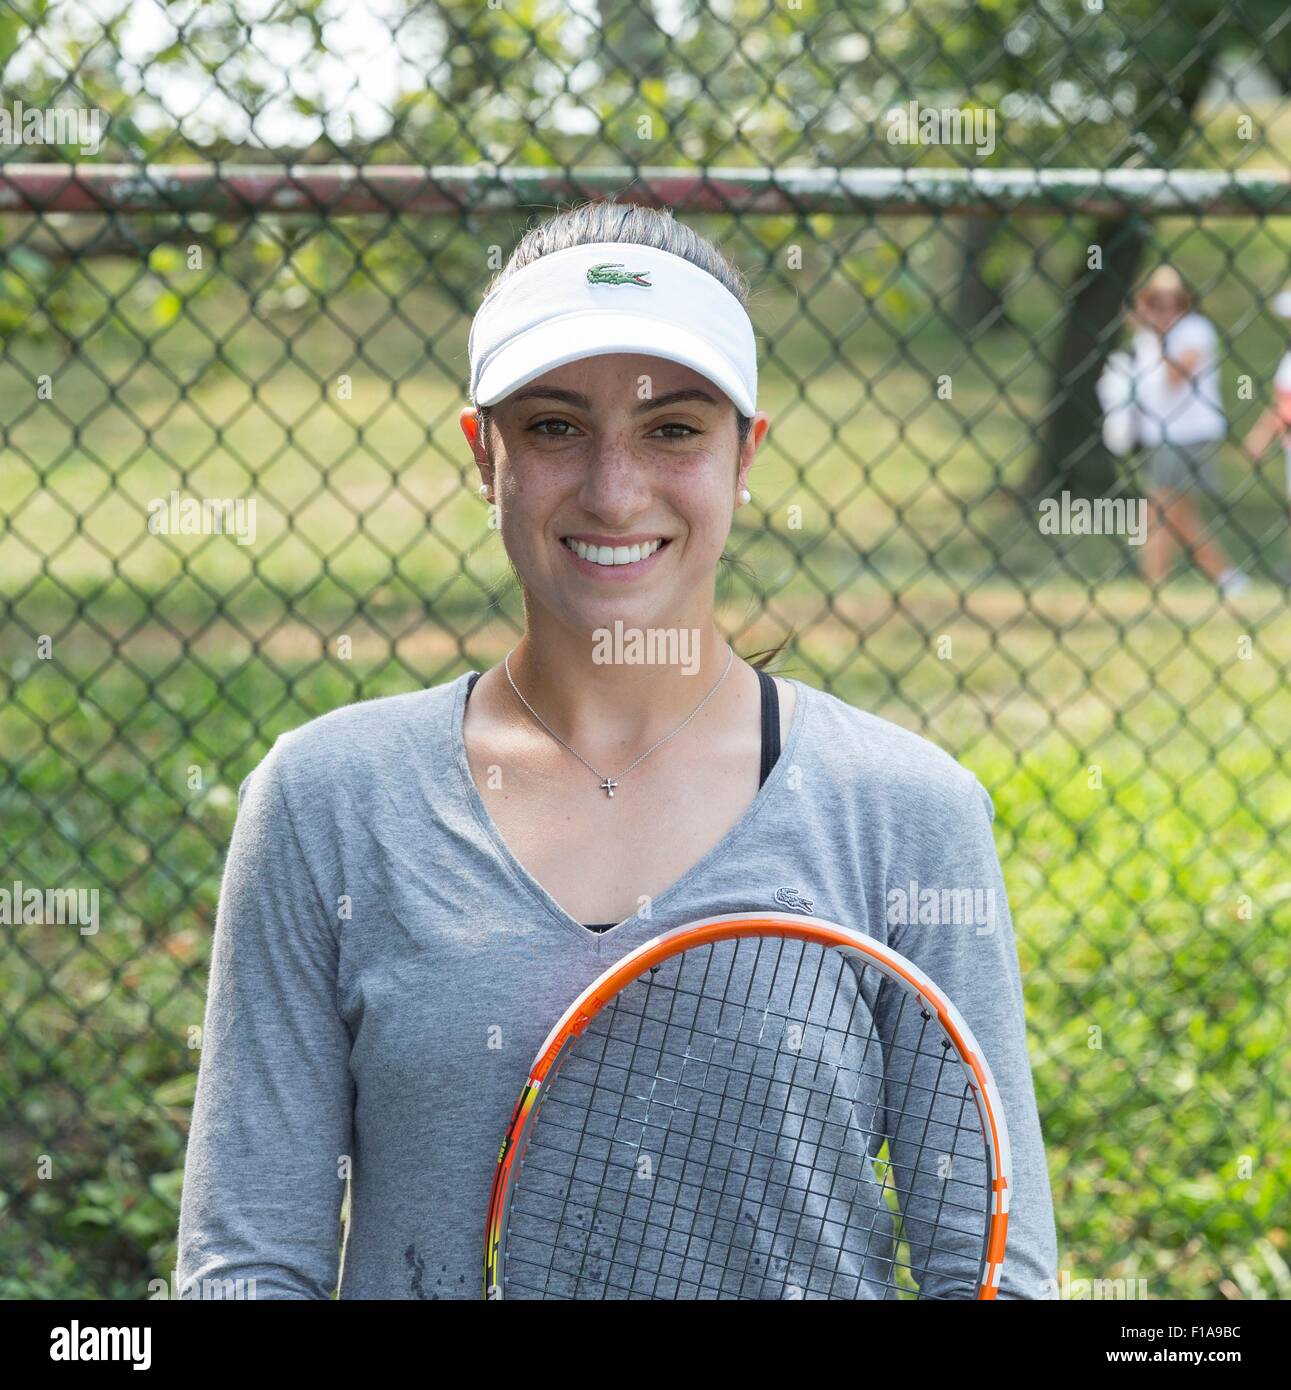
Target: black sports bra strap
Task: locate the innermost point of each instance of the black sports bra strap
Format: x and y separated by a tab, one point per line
770	724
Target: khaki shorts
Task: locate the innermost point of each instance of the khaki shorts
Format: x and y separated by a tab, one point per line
1180	467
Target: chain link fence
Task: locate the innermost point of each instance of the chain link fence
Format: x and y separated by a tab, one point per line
235	287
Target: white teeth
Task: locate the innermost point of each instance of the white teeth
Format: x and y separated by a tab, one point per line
617	555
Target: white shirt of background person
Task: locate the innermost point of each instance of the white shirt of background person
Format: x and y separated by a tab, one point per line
1186	412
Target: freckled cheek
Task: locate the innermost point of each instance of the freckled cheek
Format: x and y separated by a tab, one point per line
705	504
529	499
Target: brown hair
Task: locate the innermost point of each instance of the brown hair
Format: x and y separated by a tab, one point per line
1164	280
635	226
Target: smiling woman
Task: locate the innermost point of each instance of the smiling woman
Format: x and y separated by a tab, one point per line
420	885
616	226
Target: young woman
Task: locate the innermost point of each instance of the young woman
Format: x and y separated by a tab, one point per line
1181	424
419	885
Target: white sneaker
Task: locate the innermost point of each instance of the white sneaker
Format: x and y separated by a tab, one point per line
1233	582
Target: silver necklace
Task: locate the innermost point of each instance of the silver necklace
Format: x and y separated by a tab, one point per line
609	783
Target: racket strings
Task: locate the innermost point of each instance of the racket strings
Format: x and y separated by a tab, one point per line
613	1254
667	1227
743	1194
896	1045
765	1014
615	1093
656	1081
911	1087
837	1073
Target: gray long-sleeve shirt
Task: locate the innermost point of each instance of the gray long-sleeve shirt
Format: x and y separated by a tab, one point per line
384	971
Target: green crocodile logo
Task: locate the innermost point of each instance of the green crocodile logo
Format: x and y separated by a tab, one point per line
612	273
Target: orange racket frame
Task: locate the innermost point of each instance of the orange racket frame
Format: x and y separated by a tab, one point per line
793	926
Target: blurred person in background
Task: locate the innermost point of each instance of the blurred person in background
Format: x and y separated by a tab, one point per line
1275	422
1181	424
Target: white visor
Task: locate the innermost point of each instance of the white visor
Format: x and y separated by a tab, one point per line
605	297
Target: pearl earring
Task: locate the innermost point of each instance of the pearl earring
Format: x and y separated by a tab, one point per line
484	490
745	496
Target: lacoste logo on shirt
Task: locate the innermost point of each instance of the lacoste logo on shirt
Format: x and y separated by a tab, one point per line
793	899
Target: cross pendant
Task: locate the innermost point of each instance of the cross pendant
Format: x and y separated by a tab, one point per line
608	786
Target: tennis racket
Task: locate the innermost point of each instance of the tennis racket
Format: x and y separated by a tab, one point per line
719	1116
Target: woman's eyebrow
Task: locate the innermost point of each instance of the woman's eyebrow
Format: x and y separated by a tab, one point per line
580	402
693	393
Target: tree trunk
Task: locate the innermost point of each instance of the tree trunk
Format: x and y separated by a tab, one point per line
976	300
1071	450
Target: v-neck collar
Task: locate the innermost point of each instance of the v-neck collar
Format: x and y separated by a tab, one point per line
766	791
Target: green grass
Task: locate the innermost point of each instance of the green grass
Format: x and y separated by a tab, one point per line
1152	908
